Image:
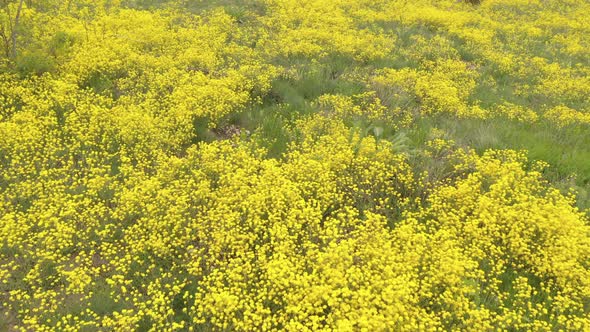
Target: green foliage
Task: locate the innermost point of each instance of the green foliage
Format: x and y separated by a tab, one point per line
60	44
34	63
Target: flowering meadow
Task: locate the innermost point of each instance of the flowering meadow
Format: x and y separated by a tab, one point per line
298	165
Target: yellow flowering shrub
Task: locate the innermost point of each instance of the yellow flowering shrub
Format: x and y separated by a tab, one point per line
272	165
317	29
516	112
365	106
439	87
564	116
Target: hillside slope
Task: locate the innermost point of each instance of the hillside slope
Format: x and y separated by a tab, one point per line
301	165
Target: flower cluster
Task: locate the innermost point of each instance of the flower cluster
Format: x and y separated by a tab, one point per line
263	165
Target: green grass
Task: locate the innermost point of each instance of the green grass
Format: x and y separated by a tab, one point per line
567	150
